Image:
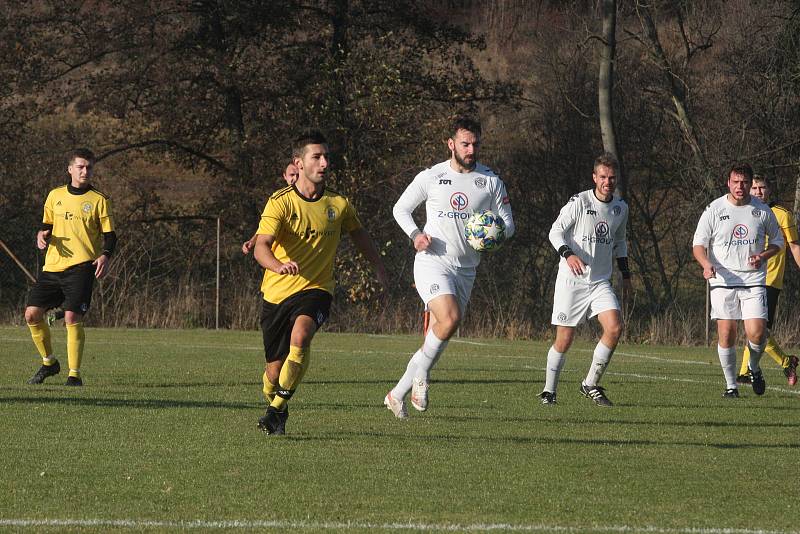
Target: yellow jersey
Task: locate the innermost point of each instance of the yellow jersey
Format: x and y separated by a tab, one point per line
776	265
79	217
307	232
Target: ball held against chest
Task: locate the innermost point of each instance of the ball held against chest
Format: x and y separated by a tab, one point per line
485	231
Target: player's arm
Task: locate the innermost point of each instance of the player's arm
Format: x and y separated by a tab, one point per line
564	223
101	264
791	238
775	239
44	233
414	195
701	242
363	242
262	251
621	254
503	209
248	245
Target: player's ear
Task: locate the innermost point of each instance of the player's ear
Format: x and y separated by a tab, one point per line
451	144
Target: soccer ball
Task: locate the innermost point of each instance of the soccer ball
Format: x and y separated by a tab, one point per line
485	231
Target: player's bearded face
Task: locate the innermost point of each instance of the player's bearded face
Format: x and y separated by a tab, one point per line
464	148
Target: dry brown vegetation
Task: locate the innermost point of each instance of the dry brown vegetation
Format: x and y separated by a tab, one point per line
192	105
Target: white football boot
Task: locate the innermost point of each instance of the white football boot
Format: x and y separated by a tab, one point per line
397	407
419	395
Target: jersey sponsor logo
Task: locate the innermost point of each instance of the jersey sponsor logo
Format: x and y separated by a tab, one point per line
480	182
724	217
459	201
463	215
601	236
444	181
601	229
756	212
591	212
312	233
616	210
86	207
740	231
331	213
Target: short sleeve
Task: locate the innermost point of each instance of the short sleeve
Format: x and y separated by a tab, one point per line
271	218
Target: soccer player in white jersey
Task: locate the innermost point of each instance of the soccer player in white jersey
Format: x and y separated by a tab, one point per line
444	266
588	234
730	244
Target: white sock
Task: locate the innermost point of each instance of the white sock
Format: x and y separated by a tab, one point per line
404	385
555	361
428	355
727	359
600	359
755	355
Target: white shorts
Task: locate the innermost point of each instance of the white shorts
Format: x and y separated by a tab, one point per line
575	300
739	303
434	277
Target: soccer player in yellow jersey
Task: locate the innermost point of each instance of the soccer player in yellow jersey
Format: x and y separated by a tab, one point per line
290	175
79	237
299	232
776	267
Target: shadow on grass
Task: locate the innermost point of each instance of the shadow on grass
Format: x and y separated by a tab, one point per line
131	403
534	440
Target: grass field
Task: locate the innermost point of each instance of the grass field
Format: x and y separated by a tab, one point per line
163	437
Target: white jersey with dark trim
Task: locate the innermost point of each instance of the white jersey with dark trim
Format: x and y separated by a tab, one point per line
595	231
450	198
732	234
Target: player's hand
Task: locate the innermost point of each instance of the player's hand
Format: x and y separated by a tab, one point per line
290	267
576	265
100	266
755	261
422	242
248	245
709	272
42	237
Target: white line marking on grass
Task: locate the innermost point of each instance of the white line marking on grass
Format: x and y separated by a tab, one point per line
353	525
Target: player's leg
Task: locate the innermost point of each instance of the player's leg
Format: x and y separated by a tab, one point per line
753	303
773	350
605	306
726	311
46	293
570	305
77	284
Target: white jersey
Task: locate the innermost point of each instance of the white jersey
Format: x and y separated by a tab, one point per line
732	234
450	198
596	233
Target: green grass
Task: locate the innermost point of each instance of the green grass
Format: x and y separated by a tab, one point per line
164	431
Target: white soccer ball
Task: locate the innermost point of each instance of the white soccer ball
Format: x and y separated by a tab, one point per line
485	231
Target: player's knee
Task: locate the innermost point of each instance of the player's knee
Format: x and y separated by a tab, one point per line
33	315
614	331
450	323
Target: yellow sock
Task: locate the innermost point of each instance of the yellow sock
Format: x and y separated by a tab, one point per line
776	353
40	333
268	389
292	372
745	360
74	348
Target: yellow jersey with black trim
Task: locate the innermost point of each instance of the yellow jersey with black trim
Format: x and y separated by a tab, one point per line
307	231
776	265
79	218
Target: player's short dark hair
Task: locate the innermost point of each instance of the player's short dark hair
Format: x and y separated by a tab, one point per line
762	178
741	168
83	153
310	137
465	123
606	159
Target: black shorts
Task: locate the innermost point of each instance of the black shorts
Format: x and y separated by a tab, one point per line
772	303
277	320
71	289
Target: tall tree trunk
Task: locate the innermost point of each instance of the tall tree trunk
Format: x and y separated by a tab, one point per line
605	88
797	194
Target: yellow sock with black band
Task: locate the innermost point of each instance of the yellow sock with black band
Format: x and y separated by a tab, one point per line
75	340
292	372
268	389
40	333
